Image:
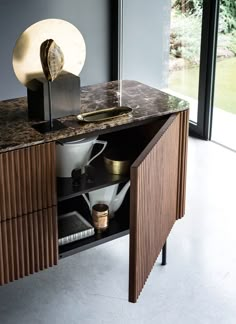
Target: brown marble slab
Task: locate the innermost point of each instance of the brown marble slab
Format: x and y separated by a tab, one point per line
147	102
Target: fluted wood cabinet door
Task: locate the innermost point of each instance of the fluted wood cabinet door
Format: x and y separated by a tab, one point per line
157	197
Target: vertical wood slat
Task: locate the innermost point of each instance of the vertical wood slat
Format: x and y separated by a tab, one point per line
33	168
39	187
18	184
154	183
26	244
54	233
35	235
10	251
7	186
27	180
19	230
19	245
23	189
51	172
5	256
12	183
51	239
182	170
41	240
15	251
32	253
2	280
2	191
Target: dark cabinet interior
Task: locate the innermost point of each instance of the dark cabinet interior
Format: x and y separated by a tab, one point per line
130	143
118	226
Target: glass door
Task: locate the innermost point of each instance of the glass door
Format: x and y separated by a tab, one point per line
224	112
185	47
194	24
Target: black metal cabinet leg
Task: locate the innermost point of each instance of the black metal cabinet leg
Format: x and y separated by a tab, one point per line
164	254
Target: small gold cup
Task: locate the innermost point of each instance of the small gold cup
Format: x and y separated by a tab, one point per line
100	214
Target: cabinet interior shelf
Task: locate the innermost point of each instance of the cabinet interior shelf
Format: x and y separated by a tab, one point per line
102	178
118	227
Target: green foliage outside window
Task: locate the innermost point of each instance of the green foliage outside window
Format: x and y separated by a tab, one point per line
186	29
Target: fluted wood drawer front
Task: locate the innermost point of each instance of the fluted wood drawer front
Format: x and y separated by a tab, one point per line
154	201
27	180
28	244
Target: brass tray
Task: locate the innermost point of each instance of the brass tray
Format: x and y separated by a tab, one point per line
104	114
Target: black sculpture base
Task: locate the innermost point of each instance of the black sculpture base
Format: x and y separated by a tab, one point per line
65	98
46	127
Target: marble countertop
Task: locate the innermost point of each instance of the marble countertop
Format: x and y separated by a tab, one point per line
147	102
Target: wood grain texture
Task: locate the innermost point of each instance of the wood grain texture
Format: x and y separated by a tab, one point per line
182	170
154	181
24	244
27	180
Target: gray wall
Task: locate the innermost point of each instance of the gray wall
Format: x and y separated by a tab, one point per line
90	16
146	41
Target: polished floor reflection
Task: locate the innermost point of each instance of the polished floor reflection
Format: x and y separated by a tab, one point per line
198	285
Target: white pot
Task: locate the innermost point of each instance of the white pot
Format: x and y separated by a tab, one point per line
75	154
107	195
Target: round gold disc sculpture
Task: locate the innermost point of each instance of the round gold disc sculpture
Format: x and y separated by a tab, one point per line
26	55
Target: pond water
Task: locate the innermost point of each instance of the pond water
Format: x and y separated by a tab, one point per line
186	83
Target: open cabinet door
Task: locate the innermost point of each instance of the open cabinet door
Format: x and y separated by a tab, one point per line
157	197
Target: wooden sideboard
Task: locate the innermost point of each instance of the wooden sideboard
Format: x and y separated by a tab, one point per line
31	197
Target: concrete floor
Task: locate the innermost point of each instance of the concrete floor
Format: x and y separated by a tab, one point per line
197	286
224	128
